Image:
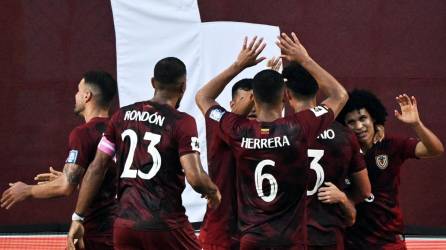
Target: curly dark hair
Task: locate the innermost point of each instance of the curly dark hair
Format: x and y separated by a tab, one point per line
360	98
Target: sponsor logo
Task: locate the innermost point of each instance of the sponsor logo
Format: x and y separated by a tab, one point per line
382	161
264	131
195	143
319	110
72	156
216	114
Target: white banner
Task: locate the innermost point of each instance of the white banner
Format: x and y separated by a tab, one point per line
149	30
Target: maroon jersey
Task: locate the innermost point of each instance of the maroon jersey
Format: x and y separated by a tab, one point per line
272	170
334	156
82	146
379	219
149	139
220	224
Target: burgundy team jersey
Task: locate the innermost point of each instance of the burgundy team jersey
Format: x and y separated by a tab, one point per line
220	224
272	171
334	156
82	146
149	139
379	220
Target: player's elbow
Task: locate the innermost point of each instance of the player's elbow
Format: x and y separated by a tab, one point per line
342	97
350	220
438	151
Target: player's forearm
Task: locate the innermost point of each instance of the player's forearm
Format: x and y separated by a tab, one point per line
206	96
432	144
90	186
204	185
56	188
349	210
332	89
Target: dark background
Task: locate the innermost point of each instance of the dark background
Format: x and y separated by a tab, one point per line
390	47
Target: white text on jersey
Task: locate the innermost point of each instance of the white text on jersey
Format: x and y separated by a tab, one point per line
136	115
256	143
327	134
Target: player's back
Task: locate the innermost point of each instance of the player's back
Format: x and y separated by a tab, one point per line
150	138
272	169
334	156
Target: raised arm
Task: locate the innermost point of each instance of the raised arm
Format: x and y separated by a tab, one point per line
292	50
429	145
199	180
248	56
63	185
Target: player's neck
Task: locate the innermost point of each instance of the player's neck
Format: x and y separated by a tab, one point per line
91	112
268	113
165	98
303	106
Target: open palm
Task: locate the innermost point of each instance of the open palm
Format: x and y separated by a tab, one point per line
408	109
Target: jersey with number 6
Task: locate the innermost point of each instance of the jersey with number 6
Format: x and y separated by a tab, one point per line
334	156
272	170
149	139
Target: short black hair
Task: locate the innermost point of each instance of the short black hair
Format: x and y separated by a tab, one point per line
359	99
268	86
169	70
243	84
301	83
102	82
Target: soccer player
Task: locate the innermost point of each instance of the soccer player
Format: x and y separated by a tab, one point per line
335	156
156	147
219	228
379	223
271	151
95	93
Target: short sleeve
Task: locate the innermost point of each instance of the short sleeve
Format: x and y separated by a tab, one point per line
223	121
187	136
315	120
357	162
407	147
79	147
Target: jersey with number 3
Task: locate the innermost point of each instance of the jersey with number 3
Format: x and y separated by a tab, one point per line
272	170
149	139
335	155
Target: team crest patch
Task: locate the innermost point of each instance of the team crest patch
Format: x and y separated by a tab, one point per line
72	156
382	161
195	144
216	114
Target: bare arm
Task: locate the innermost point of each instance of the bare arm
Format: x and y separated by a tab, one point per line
205	97
361	187
293	50
199	180
61	186
332	195
429	145
93	179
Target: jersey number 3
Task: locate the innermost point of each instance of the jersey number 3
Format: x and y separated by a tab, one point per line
317	155
156	157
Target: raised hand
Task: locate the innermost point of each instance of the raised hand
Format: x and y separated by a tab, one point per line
409	111
274	63
47	177
17	192
292	49
248	56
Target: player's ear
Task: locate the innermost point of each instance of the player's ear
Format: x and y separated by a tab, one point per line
231	104
153	81
88	95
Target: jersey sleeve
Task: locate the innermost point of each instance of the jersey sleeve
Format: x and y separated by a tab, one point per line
187	136
225	122
357	162
407	147
79	147
315	120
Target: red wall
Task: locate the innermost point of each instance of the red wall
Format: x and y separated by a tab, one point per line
387	46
